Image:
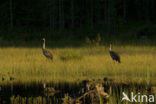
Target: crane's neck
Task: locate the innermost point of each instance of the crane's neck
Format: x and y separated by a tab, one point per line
43	44
110	48
44	85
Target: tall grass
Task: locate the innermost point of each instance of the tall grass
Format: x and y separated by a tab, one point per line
28	64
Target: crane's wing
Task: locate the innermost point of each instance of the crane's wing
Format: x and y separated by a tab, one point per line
48	54
114	56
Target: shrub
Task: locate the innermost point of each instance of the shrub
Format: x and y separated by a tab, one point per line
67	56
93	42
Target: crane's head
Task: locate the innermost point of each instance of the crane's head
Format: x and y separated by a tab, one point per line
43	39
110	47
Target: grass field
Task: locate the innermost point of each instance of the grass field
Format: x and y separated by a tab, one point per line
138	64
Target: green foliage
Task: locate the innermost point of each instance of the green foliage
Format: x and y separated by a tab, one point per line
146	32
93	42
70	56
128	34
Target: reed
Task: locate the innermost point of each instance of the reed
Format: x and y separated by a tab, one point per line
29	64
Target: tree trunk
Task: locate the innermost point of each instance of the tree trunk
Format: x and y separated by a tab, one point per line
72	14
91	18
106	14
124	10
11	15
62	9
108	17
53	15
50	15
60	15
147	10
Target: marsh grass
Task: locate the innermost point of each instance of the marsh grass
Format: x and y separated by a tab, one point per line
70	56
29	65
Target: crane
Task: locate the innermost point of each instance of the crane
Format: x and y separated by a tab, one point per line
114	55
46	53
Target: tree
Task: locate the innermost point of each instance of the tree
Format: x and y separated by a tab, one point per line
11	15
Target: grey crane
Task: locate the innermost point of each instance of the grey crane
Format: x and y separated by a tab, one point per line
114	55
46	53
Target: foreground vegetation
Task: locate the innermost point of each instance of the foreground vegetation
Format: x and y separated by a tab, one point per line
76	64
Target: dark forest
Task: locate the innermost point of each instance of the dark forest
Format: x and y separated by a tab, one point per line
66	20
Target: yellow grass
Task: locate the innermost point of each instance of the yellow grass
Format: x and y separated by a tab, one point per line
28	64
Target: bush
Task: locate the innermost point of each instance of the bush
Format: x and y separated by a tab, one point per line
93	42
67	56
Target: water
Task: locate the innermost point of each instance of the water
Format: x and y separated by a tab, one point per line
35	93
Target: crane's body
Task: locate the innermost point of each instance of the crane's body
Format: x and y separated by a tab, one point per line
46	53
114	55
